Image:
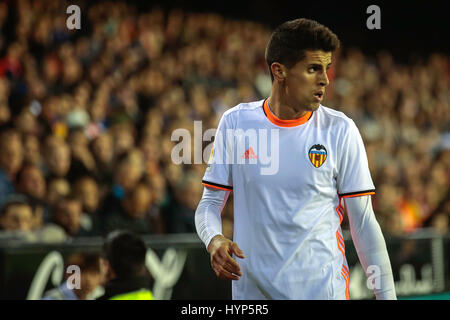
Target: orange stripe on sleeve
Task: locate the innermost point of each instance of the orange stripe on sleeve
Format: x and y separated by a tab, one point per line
359	194
216	187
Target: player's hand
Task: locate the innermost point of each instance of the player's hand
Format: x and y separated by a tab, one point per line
223	264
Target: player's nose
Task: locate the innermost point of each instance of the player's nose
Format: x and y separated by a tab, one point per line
323	79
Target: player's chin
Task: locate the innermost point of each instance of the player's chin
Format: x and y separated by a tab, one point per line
313	106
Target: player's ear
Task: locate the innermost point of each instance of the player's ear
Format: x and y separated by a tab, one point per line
278	71
107	271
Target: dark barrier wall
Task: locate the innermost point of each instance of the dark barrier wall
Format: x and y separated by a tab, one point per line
181	270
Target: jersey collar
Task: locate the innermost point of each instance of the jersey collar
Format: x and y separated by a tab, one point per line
284	123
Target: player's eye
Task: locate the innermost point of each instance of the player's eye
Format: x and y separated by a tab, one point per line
314	68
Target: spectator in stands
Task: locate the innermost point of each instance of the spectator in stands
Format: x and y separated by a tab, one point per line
439	219
26	123
133	213
57	156
82	161
19	222
32	152
103	152
91	277
11	156
123	137
58	188
440	222
180	214
86	190
16	214
69	215
5	91
127	174
31	182
160	200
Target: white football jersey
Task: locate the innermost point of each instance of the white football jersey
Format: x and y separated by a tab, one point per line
288	178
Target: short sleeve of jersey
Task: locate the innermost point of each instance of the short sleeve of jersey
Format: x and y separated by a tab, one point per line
353	167
218	171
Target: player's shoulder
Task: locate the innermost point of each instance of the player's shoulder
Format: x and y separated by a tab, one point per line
244	107
245	110
335	118
334	114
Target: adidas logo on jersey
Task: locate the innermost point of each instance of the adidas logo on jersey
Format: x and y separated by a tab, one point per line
249	154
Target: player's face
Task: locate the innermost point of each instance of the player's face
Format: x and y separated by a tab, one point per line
306	81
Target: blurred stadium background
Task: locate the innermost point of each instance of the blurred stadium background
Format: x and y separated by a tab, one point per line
87	115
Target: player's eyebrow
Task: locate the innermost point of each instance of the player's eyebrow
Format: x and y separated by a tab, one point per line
318	65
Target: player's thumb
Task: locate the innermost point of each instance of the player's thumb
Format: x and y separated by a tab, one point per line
237	251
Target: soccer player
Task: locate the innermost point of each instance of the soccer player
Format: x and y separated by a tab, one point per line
288	240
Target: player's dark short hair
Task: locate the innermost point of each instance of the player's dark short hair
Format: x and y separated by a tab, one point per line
125	252
290	40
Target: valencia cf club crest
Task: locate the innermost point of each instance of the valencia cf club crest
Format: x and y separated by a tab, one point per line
317	155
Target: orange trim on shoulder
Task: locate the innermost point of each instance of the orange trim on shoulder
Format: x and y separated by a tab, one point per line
285	123
359	194
216	187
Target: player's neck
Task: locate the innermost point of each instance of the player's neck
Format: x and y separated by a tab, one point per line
282	109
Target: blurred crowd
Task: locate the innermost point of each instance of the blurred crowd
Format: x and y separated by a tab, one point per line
403	114
87	116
